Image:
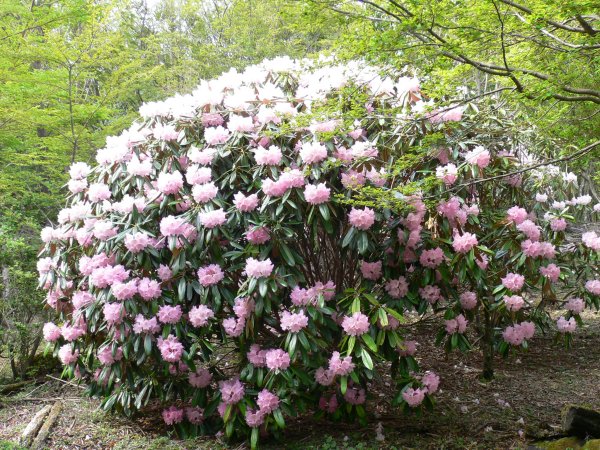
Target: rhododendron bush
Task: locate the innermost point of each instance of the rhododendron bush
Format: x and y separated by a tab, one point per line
259	248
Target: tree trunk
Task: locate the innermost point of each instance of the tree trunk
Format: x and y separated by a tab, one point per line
488	347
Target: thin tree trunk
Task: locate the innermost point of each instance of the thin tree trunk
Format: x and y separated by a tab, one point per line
488	347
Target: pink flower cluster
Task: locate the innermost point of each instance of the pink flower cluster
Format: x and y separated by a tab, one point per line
210	275
356	324
566	326
258	269
457	325
516	334
513	282
293	322
363	219
307	296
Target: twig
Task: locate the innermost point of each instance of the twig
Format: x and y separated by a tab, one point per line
66	382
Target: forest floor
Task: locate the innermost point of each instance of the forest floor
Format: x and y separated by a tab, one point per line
521	405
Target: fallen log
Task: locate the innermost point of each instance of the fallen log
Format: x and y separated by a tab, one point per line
39	440
8	388
31	430
582	422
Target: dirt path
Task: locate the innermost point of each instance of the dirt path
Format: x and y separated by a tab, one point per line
523	403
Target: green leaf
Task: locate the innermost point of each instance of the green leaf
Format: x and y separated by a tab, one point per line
348	238
254	438
366	358
367	339
279	418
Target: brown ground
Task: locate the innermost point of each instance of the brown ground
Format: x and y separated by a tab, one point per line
534	386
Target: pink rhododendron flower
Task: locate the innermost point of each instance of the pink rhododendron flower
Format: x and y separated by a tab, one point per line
313	152
457	325
258	269
353	179
328	405
137	242
170	348
530	229
575	305
591	240
104	230
340	366
106	357
414	397
513	281
98	192
79	170
164	272
593	286
356	324
201	378
240	124
267	401
316	194
212	219
371	271
270	157
448	174
517	215
169	314
140	168
197	174
194	414
51	332
210	275
254	419
258	235
202	157
551	271
431	381
149	289
172	415
293	322
463	243
172	226
468	300
432	258
113	313
124	290
362	219
169	183
203	193
216	135
72	333
200	315
245	204
397	288
516	334
256	356
513	302
67	355
566	326
478	156
277	359
143	325
355	396
430	293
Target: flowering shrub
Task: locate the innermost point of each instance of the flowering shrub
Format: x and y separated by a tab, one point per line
253	250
